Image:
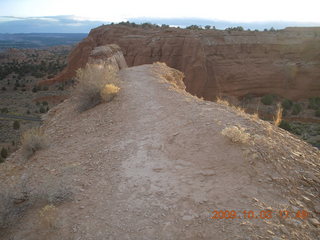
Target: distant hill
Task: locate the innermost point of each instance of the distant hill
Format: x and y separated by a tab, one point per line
39	40
73	24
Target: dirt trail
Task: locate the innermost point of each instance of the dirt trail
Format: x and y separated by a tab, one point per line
152	164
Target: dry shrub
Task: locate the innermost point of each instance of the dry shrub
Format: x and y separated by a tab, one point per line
278	118
255	116
92	81
222	101
48	215
33	140
238	110
109	92
171	75
236	134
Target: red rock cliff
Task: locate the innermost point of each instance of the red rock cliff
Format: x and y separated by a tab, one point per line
236	63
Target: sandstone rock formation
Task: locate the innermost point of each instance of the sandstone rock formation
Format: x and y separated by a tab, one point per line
106	54
218	63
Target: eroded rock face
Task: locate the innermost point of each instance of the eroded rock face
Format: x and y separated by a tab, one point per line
218	63
106	54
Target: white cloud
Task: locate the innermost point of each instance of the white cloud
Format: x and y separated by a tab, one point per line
231	10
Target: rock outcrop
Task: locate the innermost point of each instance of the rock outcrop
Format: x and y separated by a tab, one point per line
105	54
108	54
218	63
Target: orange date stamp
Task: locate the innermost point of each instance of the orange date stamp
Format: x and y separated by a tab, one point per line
262	214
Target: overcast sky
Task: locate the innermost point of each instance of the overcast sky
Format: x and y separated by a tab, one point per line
119	10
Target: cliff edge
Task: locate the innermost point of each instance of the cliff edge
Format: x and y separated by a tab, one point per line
159	163
218	63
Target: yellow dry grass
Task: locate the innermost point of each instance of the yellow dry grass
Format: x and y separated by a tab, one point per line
33	140
278	118
222	101
109	92
236	134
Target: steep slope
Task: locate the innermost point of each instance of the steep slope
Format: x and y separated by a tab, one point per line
153	164
218	63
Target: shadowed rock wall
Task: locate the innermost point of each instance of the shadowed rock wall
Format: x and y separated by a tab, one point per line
218	63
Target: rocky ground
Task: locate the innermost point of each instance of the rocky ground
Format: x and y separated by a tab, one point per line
153	164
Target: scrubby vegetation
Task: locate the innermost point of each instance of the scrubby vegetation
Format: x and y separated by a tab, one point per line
296	109
96	83
33	140
194	27
21	70
4	110
239	28
16	125
236	134
285	125
24	68
314	103
287	104
4	153
268	99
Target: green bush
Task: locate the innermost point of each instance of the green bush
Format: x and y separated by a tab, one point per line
1	159
285	125
16	125
194	27
287	104
284	112
239	28
314	103
4	110
296	109
267	99
42	109
34	89
297	131
44	103
317	113
4	153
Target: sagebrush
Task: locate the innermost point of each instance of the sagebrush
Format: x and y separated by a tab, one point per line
236	134
33	140
95	85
